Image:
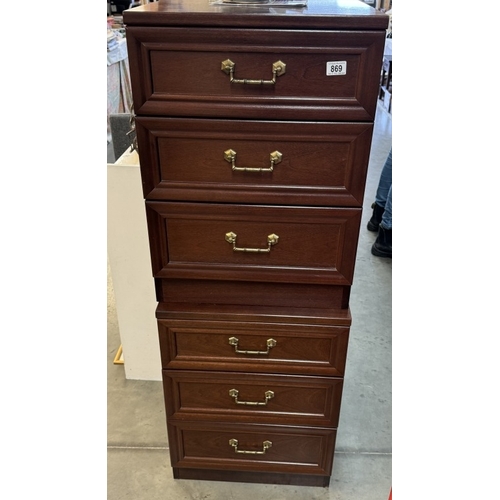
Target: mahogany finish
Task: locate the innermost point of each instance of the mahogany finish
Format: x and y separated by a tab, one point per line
183	77
263	476
251	293
184	160
245	316
294	450
302	400
300	349
253	201
316	245
319	14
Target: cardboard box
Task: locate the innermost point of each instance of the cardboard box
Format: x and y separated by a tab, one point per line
386	98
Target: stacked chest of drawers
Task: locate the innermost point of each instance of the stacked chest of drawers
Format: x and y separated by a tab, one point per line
254	128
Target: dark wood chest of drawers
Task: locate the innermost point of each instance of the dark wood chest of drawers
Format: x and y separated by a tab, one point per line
254	126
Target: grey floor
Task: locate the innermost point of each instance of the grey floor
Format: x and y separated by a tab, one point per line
138	459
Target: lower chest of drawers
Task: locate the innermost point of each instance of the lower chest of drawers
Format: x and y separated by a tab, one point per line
252	393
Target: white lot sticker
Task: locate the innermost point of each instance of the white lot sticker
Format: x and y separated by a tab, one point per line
336	68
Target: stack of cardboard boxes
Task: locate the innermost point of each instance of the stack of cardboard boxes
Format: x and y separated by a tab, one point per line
385	94
383	5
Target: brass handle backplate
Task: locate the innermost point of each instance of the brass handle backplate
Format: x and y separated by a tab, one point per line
279	69
268	395
234	342
230	156
272	239
265	446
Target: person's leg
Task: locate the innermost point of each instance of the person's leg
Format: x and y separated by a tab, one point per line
385	183
386	222
383	244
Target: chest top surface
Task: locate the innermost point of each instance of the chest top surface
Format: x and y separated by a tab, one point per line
318	14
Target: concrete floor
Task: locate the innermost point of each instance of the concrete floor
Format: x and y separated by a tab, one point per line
138	459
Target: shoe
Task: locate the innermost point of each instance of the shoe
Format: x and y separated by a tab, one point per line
383	244
374	222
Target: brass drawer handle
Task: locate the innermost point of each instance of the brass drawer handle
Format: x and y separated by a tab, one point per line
268	395
234	342
230	156
265	446
272	239
279	69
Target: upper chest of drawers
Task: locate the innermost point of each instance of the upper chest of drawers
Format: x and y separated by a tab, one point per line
244	130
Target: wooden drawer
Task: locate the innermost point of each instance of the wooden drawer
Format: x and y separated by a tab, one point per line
299	450
298	244
252	293
300	162
178	72
262	347
250	397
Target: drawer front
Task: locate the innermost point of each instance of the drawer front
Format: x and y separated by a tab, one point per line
254	161
252	293
315	350
253	243
299	450
250	397
178	72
